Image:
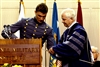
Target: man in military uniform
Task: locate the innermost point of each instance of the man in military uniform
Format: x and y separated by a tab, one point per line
33	27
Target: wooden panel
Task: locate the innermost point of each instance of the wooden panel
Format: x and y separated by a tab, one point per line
26	52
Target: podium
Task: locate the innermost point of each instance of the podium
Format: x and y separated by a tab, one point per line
25	52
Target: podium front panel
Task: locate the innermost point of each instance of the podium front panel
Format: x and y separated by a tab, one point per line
21	51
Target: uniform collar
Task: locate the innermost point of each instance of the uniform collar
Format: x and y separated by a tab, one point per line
37	21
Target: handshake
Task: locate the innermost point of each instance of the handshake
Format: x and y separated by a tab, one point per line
51	51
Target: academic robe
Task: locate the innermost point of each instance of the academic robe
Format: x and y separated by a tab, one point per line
74	47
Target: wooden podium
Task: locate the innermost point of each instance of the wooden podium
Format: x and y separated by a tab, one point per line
25	52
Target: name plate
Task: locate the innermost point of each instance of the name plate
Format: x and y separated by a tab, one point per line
20	54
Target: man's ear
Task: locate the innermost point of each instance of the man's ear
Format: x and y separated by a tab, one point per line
34	11
98	54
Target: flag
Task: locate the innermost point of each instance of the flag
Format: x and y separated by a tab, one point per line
55	26
21	10
79	13
21	15
45	1
55	23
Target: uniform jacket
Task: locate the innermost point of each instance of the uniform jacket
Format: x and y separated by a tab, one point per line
73	47
30	28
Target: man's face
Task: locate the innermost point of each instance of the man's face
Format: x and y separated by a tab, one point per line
65	20
95	54
40	17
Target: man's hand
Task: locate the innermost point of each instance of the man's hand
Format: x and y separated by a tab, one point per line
51	50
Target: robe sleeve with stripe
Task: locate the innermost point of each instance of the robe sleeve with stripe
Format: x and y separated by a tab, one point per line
72	44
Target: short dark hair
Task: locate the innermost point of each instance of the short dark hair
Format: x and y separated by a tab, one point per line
42	7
